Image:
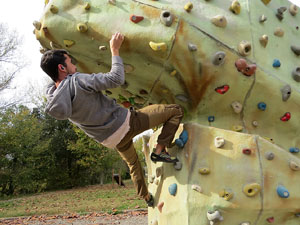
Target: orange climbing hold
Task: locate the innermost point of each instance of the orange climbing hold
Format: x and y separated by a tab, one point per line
136	19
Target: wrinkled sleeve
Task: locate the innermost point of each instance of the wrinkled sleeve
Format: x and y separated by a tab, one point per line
103	81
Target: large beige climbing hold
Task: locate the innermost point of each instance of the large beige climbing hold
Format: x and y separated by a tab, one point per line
279	32
219	142
219	21
197	188
244	48
293	10
294	166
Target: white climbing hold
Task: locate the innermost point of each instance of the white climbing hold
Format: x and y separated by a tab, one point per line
219	142
254	123
196	187
214	217
192	47
294	166
237	106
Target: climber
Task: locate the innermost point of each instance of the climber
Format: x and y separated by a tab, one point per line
79	98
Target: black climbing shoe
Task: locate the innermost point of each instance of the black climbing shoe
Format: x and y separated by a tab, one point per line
150	202
163	157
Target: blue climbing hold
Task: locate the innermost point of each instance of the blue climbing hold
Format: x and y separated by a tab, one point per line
211	119
282	192
262	106
294	150
183	138
276	63
173	189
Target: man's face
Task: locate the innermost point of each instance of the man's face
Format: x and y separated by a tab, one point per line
71	68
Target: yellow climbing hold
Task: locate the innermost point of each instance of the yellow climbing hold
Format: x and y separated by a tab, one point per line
269	139
266	1
204	171
158	46
53	9
82	27
188	7
237	128
251	189
219	21
87	6
46	2
226	195
173	73
235	7
68	43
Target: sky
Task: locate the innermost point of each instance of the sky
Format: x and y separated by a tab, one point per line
19	15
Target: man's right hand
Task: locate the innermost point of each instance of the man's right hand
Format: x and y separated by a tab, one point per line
115	43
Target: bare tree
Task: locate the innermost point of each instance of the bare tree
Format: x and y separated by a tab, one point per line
11	60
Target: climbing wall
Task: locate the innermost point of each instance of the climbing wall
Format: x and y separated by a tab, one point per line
233	66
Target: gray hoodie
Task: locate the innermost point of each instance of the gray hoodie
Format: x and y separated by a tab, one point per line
79	98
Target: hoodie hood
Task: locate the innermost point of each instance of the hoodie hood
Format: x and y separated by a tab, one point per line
59	101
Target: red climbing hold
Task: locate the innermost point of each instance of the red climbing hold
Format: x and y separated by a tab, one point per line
241	64
286	117
245	68
223	89
250	70
247	151
271	219
126	104
136	19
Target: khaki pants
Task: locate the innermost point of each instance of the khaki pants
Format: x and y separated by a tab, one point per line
141	120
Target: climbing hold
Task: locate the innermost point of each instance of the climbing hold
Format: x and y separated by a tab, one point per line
262	106
296	74
154	222
271	219
151	179
37	25
136	19
53	9
286	117
87	6
222	90
178	165
262	19
269	155
188	7
247	151
282	192
108	92
214	217
143	92
227	195
173	73
293	10
269	139
131	100
219	142
244	48
102	48
82	27
294	150
254	123
266	1
126	104
166	18
280	12
182	98
173	189
294	166
296	49
112	2
218	58
158	46
160	206
286	92
245	223
276	63
279	32
251	189
204	171
196	187
68	43
159	171
264	40
139	100
182	140
126	94
211	119
192	47
128	68
219	21
237	128
235	7
243	67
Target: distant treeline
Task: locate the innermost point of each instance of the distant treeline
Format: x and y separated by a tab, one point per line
39	153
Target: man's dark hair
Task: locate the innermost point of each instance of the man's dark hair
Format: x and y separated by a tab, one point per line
50	61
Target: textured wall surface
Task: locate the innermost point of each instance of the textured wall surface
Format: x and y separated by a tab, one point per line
235	68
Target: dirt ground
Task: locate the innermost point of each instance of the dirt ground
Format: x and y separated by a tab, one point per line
139	217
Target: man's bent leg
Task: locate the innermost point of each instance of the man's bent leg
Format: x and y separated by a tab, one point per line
136	171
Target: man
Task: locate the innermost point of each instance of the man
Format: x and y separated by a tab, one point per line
78	97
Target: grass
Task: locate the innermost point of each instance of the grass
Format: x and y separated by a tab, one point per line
97	198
